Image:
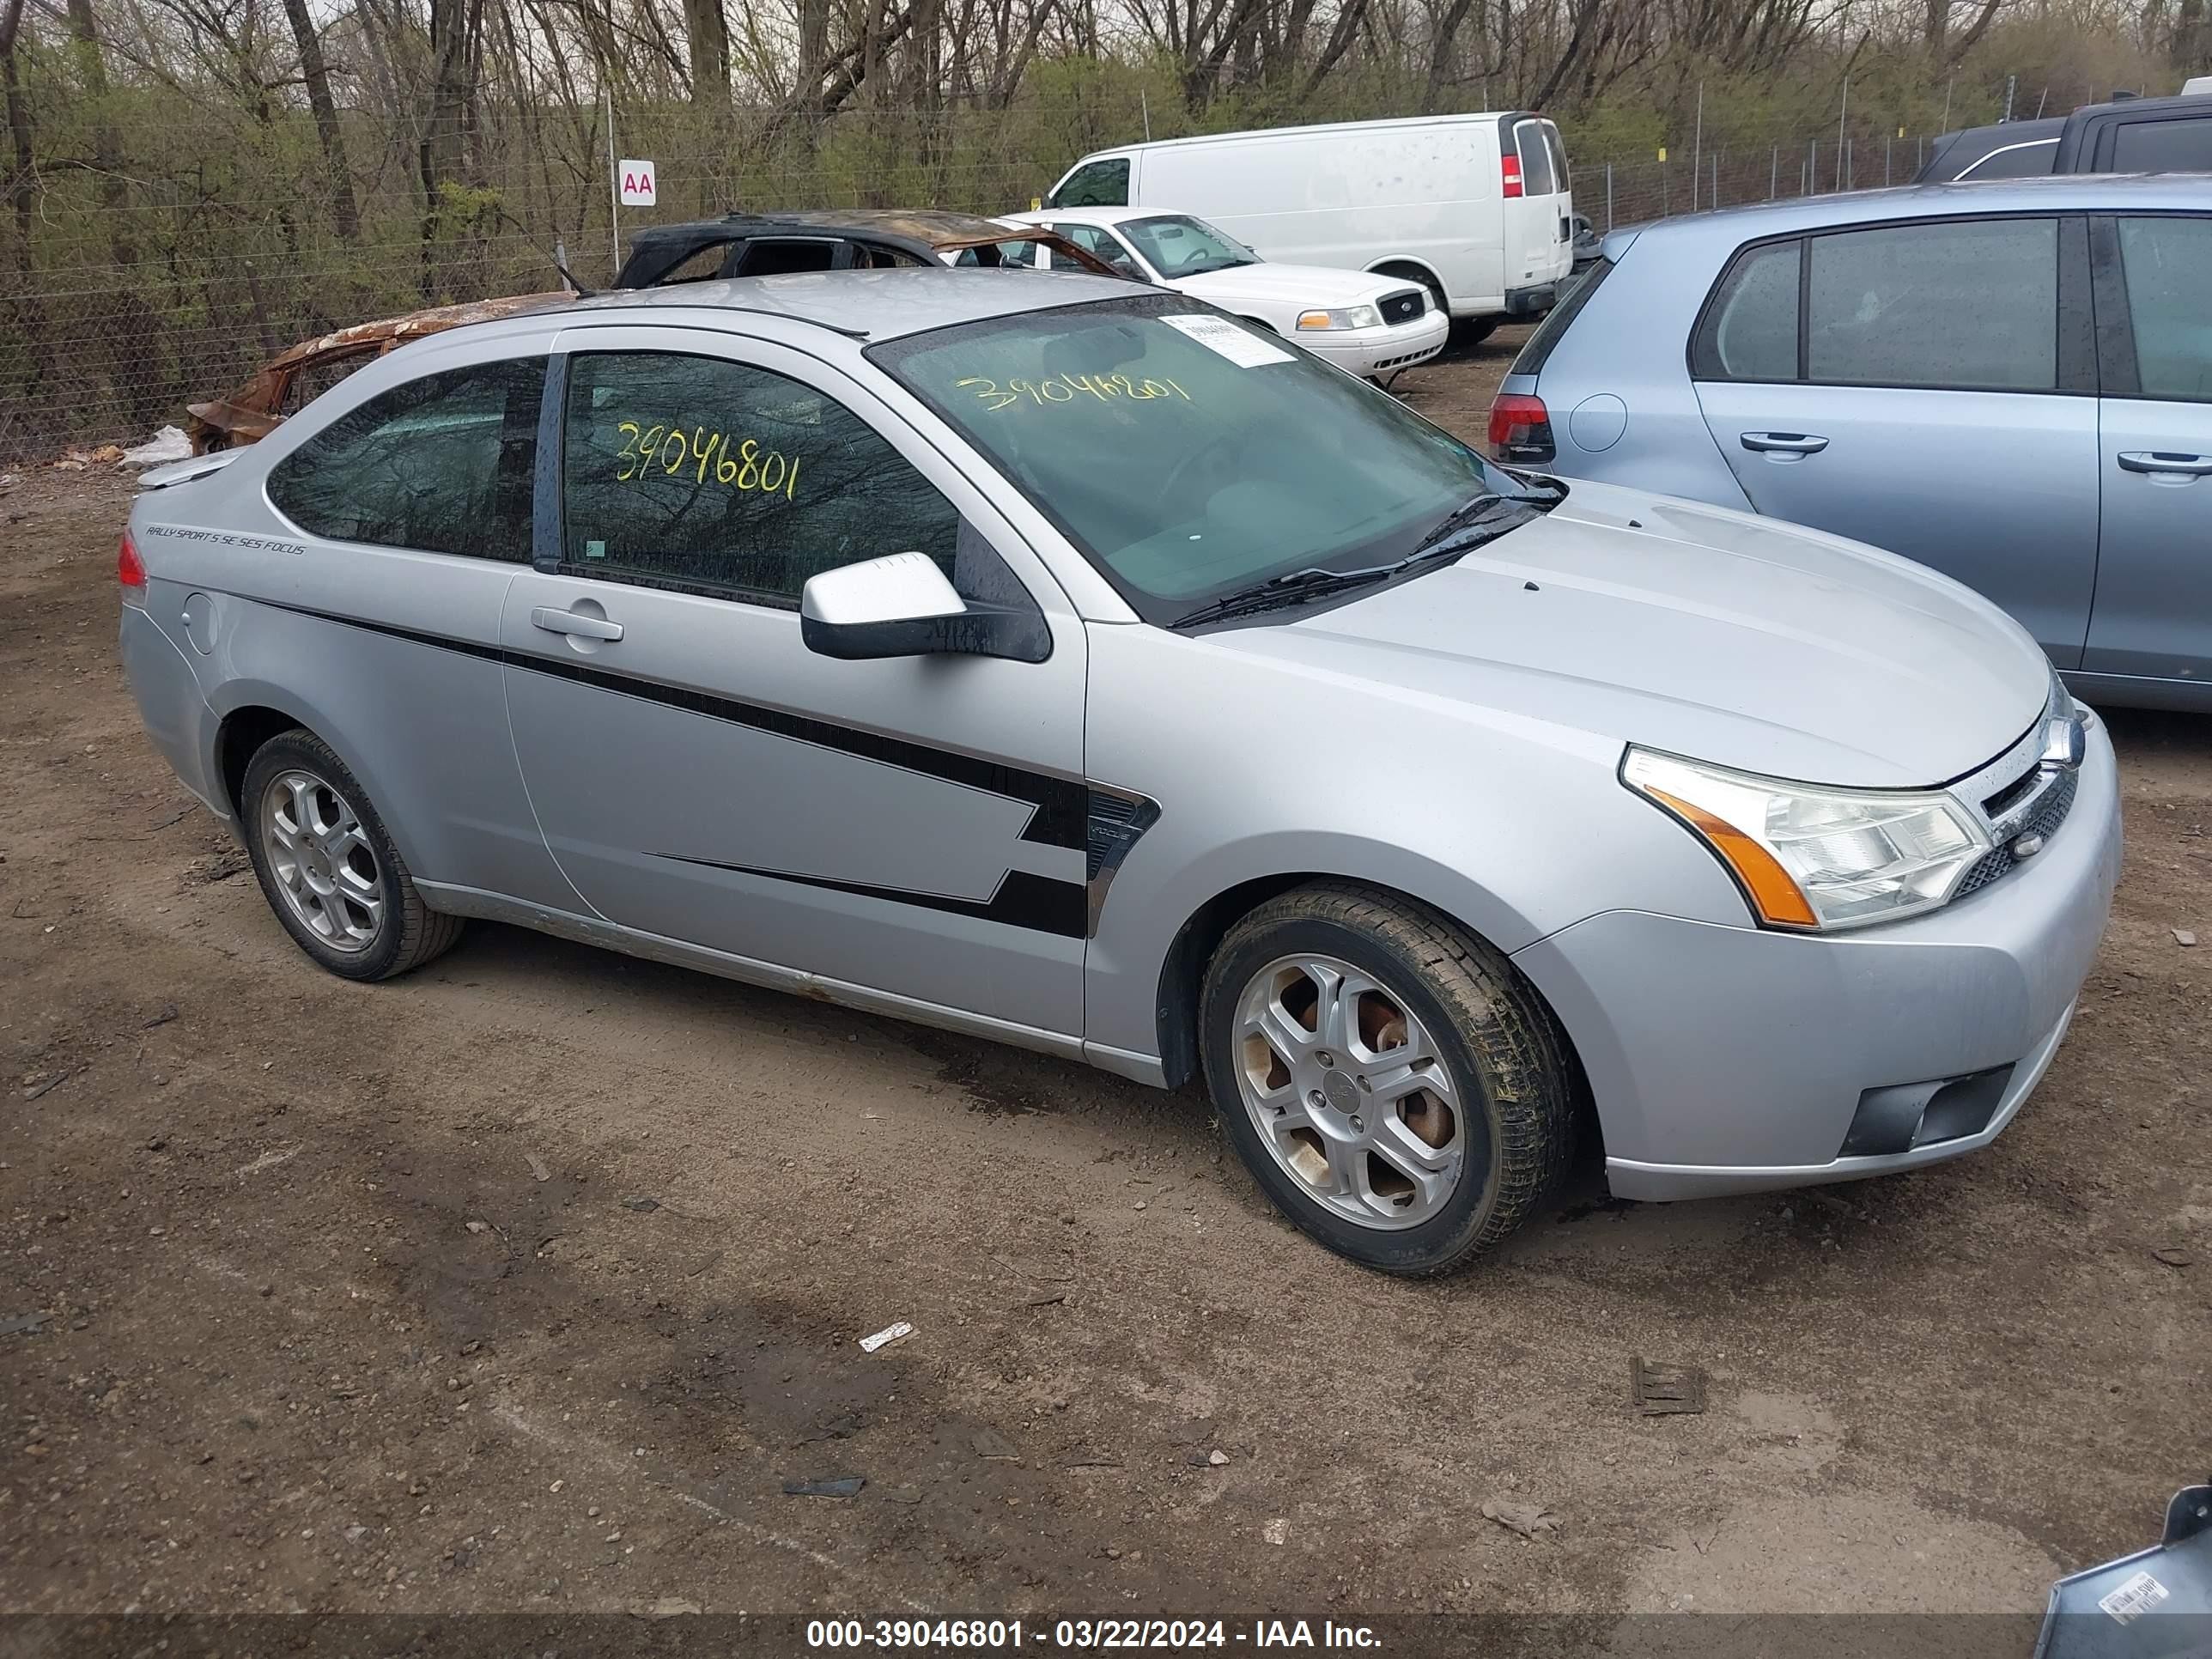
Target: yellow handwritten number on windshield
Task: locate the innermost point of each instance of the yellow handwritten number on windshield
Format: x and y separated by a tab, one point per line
1064	388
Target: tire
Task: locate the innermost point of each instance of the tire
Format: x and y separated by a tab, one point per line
364	920
1500	1110
1473	331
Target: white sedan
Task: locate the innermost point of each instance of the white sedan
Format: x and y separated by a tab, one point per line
1369	326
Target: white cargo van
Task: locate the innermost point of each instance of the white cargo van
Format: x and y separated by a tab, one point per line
1475	207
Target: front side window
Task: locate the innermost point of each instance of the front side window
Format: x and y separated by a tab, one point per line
441	464
1095	184
1179	246
1176	448
2168	264
1750	328
2171	146
708	476
1966	305
1536	176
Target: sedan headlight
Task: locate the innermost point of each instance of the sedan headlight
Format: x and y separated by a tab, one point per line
1813	858
1349	317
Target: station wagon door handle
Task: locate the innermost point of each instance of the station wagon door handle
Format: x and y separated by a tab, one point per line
570	622
1786	443
2154	460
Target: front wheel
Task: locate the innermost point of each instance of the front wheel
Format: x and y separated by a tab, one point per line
1397	1089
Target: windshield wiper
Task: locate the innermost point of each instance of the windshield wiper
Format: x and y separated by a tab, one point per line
1292	587
1453	535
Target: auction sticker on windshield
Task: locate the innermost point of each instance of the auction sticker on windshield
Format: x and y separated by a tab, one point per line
1220	336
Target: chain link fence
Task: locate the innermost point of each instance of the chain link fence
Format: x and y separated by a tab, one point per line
137	304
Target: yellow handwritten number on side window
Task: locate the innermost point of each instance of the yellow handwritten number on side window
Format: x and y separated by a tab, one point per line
702	453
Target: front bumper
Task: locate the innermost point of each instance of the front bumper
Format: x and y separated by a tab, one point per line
1369	351
1730	1060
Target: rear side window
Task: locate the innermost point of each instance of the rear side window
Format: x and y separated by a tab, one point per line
1095	183
1553	328
2028	160
1538	178
712	476
1750	328
1964	305
2176	146
2168	263
442	464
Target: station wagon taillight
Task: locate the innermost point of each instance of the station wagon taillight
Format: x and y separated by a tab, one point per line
130	571
1509	169
1520	428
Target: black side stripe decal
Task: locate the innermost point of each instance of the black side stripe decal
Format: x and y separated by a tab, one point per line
1062	805
1023	899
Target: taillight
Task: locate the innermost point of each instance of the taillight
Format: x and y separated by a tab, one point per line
131	572
1520	428
1509	169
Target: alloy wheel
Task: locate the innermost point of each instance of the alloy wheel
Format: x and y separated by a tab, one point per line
322	860
1350	1093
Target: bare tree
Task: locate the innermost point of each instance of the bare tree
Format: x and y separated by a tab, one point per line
345	213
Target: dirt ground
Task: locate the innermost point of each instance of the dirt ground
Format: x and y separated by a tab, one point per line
528	1282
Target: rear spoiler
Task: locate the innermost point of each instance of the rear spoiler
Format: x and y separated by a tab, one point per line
177	472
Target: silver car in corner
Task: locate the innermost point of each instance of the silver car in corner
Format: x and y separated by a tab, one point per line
2010	382
1069	664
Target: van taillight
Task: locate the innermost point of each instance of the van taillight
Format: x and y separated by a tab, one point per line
1509	167
130	571
1520	428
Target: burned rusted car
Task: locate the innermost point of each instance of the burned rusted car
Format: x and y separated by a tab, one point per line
295	376
848	238
736	245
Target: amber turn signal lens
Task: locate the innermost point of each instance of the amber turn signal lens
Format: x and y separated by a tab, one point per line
1777	898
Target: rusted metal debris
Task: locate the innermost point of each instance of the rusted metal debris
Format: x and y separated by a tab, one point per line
1660	1390
256	409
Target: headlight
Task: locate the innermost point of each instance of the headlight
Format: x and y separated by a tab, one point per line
1349	317
1813	858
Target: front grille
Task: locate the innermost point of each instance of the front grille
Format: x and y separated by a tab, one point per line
2050	812
1404	307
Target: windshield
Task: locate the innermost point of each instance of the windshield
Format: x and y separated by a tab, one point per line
1179	246
1189	455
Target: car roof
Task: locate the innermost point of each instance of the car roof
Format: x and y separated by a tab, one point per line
879	304
1323	126
2066	192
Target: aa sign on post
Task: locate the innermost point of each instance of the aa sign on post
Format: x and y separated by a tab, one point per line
636	180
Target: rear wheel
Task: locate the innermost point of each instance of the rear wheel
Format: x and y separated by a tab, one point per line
1392	1083
327	865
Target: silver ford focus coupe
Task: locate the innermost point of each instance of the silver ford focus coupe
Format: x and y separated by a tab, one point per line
1075	666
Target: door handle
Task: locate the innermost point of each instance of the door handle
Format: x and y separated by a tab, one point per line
571	622
1786	443
2155	460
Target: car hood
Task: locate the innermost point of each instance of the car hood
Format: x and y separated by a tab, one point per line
1707	632
1289	285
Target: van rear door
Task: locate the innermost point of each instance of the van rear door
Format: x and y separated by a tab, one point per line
1539	228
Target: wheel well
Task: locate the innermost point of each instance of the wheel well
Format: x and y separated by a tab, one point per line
1183	973
1182	976
1412	271
242	733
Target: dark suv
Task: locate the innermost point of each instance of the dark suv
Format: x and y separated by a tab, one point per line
2129	135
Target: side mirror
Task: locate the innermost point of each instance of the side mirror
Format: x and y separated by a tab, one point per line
901	605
